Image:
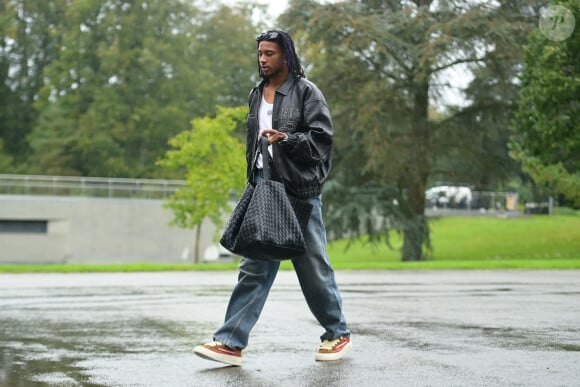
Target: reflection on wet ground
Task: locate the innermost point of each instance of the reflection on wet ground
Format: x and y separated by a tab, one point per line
47	333
431	328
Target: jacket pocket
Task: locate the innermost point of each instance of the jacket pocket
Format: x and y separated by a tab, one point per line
288	119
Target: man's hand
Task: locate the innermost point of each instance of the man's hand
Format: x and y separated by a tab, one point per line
273	135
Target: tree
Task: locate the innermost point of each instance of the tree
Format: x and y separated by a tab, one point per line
225	60
117	91
130	75
213	160
546	128
5	160
28	43
382	64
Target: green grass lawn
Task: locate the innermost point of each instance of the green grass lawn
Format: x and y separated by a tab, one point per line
478	242
538	242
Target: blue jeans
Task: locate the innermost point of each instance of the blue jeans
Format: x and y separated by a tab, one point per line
316	278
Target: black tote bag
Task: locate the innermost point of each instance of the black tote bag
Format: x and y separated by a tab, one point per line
267	223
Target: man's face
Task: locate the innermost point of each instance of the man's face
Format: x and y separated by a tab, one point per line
270	58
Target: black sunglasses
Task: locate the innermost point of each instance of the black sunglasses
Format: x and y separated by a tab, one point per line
273	35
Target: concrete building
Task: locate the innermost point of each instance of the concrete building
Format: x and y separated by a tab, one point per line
81	229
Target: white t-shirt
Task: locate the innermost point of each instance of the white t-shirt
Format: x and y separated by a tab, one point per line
264	122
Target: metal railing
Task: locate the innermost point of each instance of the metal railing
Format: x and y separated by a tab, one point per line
102	187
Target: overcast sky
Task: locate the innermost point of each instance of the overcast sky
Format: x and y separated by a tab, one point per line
275	8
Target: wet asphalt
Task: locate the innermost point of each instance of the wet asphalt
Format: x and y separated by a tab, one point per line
426	328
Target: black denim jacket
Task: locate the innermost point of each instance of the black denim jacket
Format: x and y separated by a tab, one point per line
300	110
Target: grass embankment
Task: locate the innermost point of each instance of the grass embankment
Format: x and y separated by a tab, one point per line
539	242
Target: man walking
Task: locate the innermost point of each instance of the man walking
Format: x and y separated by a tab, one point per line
292	113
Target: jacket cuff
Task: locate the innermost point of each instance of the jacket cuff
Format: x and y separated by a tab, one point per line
289	140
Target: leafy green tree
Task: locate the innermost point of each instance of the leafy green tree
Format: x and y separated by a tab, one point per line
382	66
213	161
471	143
225	61
28	43
117	90
546	128
129	76
5	160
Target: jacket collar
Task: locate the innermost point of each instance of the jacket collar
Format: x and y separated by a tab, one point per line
285	88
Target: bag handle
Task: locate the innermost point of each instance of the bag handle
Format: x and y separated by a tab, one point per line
265	157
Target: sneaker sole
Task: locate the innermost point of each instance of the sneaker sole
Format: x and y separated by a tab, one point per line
334	356
221	358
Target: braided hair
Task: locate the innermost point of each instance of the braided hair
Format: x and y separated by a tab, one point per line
284	40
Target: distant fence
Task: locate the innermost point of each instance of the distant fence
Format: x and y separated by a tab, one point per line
88	186
104	187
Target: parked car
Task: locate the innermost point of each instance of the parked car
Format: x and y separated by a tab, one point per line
449	196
